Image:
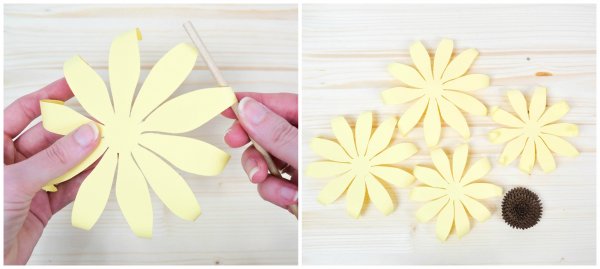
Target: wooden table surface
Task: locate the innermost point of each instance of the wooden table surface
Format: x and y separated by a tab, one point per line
346	50
256	47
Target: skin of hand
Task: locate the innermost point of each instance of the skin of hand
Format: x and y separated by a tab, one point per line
272	121
32	159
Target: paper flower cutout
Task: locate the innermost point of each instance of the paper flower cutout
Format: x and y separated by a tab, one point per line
450	193
438	89
358	160
521	208
134	135
533	134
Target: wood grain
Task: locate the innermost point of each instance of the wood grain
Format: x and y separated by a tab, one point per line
346	50
255	46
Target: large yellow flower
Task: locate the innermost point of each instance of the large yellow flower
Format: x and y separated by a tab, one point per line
358	161
134	135
450	193
533	134
439	89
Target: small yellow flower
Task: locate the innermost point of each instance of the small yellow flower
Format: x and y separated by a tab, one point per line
135	134
450	193
438	89
359	160
533	134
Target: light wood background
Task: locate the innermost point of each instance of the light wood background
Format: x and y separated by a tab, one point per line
256	47
346	50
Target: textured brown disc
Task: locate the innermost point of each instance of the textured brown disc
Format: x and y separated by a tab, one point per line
521	208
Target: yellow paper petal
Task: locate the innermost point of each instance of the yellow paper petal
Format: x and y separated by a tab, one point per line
444	221
394	154
430	177
503	135
393	175
168	185
164	78
94	192
561	129
460	64
335	188
505	118
453	117
420	58
559	145
379	195
512	150
326	169
424	194
430	209
470	82
478	170
133	197
528	156
344	135
432	124
188	154
442	57
381	137
124	70
89	160
466	102
462	224
60	119
411	117
407	75
537	104
482	190
442	163
356	197
329	150
459	161
364	125
554	113
400	95
475	208
89	89
544	156
519	104
189	111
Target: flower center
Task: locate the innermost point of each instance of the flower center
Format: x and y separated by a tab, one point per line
433	88
361	166
455	191
122	134
532	129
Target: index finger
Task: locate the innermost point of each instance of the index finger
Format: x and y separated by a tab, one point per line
283	104
21	112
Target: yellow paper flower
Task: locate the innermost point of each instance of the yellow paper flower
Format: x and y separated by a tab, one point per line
533	134
439	89
450	193
134	135
358	161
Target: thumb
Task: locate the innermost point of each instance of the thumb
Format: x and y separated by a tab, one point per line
35	172
270	130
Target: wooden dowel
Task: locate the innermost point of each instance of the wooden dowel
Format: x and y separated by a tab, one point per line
195	37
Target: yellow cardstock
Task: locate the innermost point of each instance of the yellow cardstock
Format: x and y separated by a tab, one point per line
439	88
533	133
136	136
450	191
358	161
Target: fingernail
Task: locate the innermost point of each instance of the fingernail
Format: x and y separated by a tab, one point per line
251	168
86	134
289	194
251	110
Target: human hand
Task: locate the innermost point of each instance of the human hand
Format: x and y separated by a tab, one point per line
272	121
30	162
